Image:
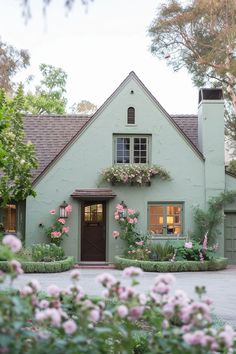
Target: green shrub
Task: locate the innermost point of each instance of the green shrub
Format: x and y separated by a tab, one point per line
162	252
139	251
42	267
47	252
194	252
178	266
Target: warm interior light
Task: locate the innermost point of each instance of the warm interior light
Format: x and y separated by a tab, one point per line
170	220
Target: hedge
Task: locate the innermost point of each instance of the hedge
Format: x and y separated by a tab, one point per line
178	266
42	267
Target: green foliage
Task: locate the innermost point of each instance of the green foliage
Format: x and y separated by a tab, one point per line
208	221
19	157
43	252
190	36
139	251
12	61
178	266
127	218
49	95
134	174
195	252
42	267
162	252
232	166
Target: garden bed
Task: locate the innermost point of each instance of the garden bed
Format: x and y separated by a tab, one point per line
42	267
177	266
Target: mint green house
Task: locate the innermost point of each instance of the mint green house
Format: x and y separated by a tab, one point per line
130	127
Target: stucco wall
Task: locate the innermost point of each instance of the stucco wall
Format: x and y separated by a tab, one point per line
79	167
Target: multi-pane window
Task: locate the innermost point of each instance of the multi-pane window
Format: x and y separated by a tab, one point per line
166	219
131	115
93	213
131	149
8	218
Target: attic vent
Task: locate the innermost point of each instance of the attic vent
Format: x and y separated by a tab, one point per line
131	115
210	94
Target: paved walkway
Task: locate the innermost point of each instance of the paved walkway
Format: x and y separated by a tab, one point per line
221	285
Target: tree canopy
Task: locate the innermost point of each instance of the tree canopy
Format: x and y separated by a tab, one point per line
84	107
18	157
49	95
200	36
12	61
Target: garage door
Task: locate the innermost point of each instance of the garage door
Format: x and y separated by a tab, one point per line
230	237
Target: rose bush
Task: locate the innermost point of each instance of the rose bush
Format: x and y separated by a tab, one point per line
122	320
58	230
127	219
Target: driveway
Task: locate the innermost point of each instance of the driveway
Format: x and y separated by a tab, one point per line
220	285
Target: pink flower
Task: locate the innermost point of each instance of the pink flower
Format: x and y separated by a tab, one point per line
69	326
16	266
115	234
61	221
119	208
106	279
188	245
53	290
35	285
12	242
68	209
44	304
75	274
116	217
94	315
139	243
130	220
204	245
122	311
136	312
52	212
131	211
55	234
132	272
66	229
195	338
135	220
27	290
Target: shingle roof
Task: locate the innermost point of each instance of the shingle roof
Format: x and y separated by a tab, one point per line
189	124
51	133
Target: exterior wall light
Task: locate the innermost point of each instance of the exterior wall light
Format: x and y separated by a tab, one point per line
63	212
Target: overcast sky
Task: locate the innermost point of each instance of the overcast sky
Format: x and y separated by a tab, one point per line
97	48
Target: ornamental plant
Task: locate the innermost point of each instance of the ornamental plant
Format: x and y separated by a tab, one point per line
58	230
133	174
139	251
127	219
122	320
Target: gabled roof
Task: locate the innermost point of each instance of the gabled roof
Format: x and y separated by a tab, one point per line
53	134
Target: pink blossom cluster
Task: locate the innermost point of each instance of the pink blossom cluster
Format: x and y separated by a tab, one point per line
12	242
56	234
193	317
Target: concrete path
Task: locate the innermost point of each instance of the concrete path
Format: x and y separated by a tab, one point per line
220	285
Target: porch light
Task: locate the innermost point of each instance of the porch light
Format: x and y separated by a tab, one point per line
63	212
124	213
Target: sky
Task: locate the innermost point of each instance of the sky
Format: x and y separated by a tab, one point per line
97	47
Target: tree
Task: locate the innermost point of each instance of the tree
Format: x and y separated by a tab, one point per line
49	95
12	61
84	107
19	157
200	36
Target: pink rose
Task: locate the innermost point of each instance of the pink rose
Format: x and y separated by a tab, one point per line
122	311
68	209
115	234
61	221
65	229
53	211
135	220
119	208
55	234
130	221
131	211
116	217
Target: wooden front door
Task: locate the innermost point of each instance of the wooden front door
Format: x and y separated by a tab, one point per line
93	232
